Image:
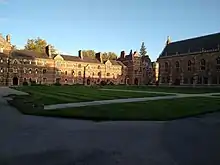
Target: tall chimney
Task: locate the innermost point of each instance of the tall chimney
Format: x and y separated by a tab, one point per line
80	54
99	57
8	38
122	54
48	51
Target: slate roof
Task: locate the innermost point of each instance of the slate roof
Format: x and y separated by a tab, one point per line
28	54
78	59
3	55
207	42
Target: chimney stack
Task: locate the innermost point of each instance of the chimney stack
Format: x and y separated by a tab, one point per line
80	54
122	54
99	57
8	38
48	51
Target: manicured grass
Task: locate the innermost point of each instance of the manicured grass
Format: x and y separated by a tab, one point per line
151	110
188	90
69	94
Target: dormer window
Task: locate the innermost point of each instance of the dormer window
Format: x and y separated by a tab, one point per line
15	62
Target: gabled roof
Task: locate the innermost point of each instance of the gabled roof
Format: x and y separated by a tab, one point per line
3	55
207	42
28	54
78	59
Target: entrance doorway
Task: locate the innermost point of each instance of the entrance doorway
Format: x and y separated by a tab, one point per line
15	81
88	81
136	81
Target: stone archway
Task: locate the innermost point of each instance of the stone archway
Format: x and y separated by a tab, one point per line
15	81
136	81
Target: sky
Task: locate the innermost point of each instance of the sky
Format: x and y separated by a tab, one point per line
108	25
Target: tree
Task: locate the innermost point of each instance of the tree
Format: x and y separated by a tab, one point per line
88	53
112	56
38	45
143	51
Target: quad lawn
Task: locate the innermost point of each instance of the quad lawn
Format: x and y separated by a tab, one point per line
150	110
69	94
187	90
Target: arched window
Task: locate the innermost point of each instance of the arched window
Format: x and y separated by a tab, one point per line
72	72
66	72
189	65
202	64
177	66
99	67
2	70
44	71
79	65
166	66
36	71
218	60
99	74
30	71
80	73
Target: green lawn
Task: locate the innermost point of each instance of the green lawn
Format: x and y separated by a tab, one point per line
188	90
69	94
152	110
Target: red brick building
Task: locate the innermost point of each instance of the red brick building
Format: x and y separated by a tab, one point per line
19	66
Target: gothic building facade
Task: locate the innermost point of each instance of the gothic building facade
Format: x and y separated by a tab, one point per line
19	66
194	61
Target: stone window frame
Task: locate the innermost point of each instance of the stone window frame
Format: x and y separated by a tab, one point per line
25	70
79	73
177	65
218	63
189	64
15	70
36	71
166	66
202	64
44	71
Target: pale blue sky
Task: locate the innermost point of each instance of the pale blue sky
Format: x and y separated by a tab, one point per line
108	25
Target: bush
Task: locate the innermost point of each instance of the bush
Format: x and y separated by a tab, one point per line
25	83
57	84
103	83
111	83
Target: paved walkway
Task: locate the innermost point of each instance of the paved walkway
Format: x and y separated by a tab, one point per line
34	140
128	100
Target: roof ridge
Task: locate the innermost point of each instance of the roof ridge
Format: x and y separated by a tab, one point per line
198	37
